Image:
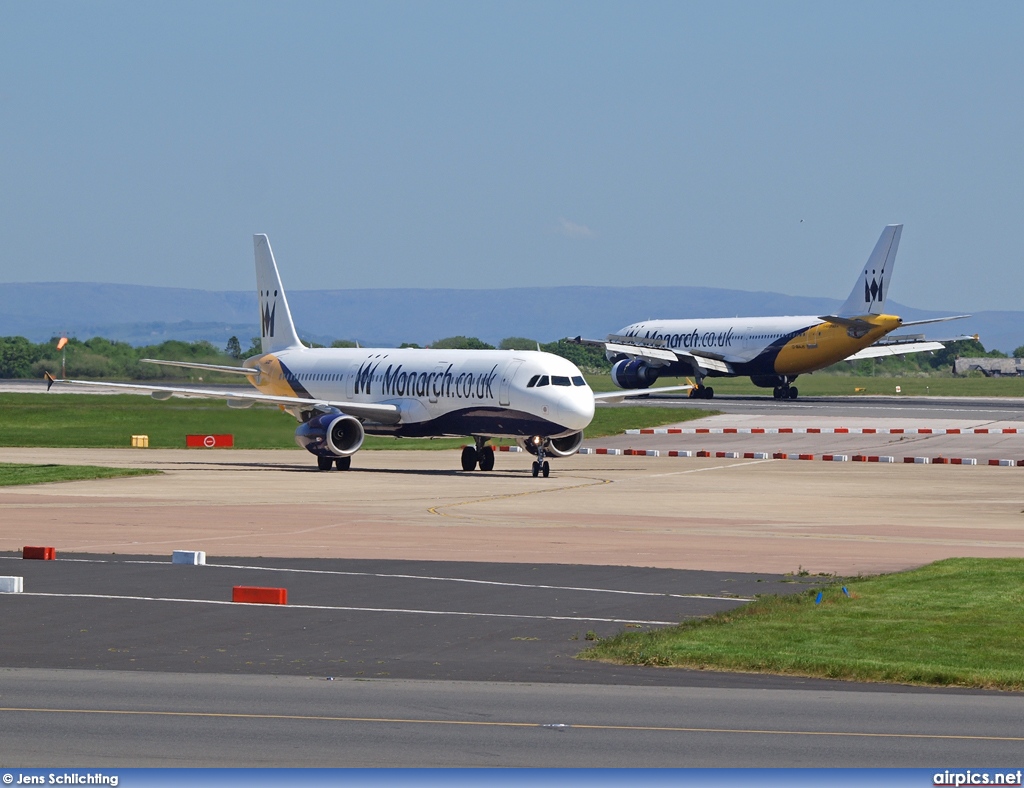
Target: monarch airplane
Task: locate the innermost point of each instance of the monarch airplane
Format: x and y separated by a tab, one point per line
341	394
773	351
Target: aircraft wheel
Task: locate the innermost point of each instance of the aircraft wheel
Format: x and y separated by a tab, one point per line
325	463
487	458
343	463
709	393
694	393
536	469
777	393
792	392
468	458
545	469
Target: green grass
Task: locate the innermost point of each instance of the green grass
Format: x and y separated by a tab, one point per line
104	421
955	622
831	385
16	473
615	421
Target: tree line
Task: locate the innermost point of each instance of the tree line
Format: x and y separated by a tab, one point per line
106	359
102	358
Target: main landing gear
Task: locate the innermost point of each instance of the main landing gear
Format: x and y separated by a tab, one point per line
481	454
326	463
702	392
785	392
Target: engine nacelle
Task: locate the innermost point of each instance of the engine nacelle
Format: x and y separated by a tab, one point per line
556	447
567	446
633	373
331	435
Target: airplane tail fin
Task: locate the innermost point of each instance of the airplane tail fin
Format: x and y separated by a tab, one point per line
277	331
872	287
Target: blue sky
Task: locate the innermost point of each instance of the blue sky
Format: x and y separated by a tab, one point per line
758	146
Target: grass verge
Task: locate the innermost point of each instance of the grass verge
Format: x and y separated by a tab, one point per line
109	421
16	473
835	385
955	622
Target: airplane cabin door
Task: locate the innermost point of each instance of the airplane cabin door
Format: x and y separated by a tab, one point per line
506	381
350	380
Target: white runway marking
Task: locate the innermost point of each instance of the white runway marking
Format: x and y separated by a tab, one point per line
439	579
357	609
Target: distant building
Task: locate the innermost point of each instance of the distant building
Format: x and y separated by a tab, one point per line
990	367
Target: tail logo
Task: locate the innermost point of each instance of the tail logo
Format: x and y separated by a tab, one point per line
873	289
269	310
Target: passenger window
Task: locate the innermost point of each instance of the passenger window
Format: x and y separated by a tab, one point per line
560	380
533	381
543	381
578	381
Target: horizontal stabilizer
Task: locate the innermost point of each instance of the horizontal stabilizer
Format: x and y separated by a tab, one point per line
935	320
895	349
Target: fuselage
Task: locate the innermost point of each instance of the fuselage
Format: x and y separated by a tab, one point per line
500	393
764	346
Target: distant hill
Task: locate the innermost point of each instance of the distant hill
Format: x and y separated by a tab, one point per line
149	315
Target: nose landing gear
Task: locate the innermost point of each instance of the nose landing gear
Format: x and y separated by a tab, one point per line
540	465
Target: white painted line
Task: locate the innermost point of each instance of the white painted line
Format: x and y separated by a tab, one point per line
356	609
431	577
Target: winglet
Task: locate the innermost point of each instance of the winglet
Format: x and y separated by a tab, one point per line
50	380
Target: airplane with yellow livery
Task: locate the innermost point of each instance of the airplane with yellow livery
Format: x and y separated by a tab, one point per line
772	351
339	395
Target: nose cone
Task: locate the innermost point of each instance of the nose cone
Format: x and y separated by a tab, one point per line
576	409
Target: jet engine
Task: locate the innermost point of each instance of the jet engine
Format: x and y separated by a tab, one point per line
331	435
556	447
633	373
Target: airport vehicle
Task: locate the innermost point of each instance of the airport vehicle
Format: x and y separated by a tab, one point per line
341	394
772	351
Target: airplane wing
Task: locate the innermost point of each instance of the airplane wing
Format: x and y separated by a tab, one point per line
385	414
656	353
618	396
248	371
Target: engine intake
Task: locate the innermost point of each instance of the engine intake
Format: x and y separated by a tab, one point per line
634	373
565	446
331	435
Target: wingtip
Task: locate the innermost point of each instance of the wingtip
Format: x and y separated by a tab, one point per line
49	380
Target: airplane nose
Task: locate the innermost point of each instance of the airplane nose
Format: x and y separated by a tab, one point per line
576	410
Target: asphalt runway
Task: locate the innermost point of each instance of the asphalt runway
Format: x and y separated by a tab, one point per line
108	718
399	647
115	661
399	619
856	407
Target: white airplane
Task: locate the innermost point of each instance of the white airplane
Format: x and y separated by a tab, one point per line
341	394
773	351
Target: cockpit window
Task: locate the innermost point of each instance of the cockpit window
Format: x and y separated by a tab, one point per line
578	381
560	380
533	381
543	381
